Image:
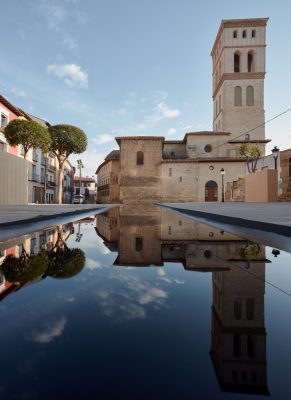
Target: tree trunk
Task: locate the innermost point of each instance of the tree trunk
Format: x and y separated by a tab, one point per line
60	183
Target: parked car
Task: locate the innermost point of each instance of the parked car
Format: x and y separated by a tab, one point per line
78	199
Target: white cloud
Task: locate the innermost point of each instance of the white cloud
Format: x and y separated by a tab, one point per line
164	111
92	264
71	73
49	331
54	13
102	139
18	93
171	131
70	42
124	111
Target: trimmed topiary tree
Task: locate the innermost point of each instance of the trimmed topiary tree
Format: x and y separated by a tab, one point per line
66	140
28	134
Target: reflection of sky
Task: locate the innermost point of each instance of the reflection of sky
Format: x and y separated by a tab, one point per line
119	332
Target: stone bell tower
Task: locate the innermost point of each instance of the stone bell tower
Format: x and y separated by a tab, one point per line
238	74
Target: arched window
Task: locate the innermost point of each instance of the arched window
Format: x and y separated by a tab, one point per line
250	62
236	62
235	34
250	96
139	158
247	137
237	96
253	33
244	33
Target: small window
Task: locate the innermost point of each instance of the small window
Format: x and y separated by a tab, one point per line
244	33
236	62
170	171
138	243
250	96
237	308
235	34
4	121
172	154
180	179
208	148
247	137
237	96
253	33
139	158
250	62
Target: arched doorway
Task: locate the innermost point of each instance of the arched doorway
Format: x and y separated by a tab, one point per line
211	191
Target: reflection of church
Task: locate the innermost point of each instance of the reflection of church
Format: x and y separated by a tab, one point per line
146	235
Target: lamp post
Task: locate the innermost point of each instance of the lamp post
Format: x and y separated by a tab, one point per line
275	152
222	171
80	166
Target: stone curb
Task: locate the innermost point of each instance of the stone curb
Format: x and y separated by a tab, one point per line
248	223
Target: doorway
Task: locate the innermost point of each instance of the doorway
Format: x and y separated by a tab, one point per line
211	191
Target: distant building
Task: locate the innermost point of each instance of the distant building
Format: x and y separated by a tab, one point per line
155	169
85	186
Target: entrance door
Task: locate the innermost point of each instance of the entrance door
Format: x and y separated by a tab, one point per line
211	191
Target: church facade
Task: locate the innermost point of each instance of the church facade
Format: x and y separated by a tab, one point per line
151	168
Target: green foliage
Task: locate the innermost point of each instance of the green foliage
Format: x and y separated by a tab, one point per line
252	154
249	150
26	268
67	139
28	134
250	251
65	263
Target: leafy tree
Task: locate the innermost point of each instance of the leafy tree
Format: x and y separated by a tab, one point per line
28	134
66	140
252	154
25	268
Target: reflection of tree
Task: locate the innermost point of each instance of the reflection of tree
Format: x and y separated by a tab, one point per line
25	268
64	262
250	251
60	262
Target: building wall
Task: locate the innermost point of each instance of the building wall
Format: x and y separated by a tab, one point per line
140	182
186	181
108	180
13	179
174	150
285	175
262	186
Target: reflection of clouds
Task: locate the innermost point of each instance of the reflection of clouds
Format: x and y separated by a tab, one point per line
93	264
130	298
49	331
163	277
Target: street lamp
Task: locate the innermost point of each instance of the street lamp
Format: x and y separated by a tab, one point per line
222	171
275	152
80	166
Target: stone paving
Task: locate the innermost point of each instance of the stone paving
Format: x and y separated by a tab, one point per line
34	212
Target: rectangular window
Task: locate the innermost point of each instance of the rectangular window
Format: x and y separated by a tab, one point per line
170	171
4	120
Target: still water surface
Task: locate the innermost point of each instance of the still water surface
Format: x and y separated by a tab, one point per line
142	303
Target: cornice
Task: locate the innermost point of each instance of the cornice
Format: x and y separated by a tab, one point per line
236	76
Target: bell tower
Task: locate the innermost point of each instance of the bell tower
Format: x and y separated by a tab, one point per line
238	74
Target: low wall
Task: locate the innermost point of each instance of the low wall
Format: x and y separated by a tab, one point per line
13	179
261	186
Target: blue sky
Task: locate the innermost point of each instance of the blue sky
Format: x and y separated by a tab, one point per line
132	67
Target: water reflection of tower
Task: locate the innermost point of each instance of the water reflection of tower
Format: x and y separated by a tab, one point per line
238	343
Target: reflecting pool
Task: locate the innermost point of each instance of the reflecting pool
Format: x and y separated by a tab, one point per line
143	303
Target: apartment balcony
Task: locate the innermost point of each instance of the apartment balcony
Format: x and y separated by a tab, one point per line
34	177
51	168
51	184
34	156
42	160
